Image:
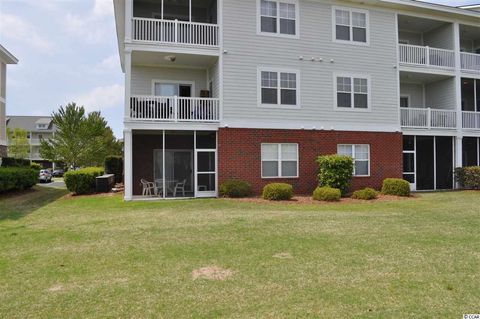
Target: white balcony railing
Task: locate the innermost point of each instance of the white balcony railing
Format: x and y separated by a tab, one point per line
470	61
471	120
174	109
174	31
426	56
428	118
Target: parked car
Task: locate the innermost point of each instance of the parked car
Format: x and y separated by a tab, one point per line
58	173
45	176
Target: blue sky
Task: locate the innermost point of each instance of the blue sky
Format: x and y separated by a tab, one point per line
68	52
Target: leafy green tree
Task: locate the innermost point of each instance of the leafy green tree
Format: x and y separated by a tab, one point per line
81	139
19	146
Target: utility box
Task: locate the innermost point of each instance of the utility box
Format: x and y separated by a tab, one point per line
105	183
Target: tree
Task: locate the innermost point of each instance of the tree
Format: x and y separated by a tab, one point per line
18	146
80	140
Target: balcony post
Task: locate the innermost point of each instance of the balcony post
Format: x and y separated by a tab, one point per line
128	81
429	118
175	108
427	58
176	30
128	167
128	20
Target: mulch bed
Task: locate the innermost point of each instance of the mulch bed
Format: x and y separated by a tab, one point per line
302	200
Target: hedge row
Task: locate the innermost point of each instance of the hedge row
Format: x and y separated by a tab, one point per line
15	162
17	178
82	181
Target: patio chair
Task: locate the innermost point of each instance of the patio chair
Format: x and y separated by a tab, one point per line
148	188
180	187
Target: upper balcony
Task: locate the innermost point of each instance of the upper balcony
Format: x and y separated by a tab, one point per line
184	23
470	48
425	43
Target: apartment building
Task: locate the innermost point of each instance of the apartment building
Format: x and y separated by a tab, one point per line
257	89
37	128
5	58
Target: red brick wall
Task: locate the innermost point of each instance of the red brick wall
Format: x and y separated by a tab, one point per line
239	155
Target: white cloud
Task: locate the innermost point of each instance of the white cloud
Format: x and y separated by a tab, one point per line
94	27
17	29
110	63
102	97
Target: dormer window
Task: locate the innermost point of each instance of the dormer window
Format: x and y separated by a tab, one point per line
42	126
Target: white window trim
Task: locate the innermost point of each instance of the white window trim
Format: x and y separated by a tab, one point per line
192	83
279	161
278	105
352	76
334	26
353	146
278	34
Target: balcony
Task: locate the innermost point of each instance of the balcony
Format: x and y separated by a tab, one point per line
174	109
417	55
471	120
176	32
470	61
428	118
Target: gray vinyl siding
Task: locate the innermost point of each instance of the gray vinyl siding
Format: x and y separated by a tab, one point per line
412	37
3	87
3	79
142	78
415	92
441	37
441	94
247	51
213	74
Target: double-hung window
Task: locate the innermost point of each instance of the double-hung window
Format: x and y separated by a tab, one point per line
278	17
278	88
361	156
350	25
352	92
279	160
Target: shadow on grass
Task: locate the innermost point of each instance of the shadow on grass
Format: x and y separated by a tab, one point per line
16	205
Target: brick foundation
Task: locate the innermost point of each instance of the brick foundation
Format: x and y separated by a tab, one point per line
239	155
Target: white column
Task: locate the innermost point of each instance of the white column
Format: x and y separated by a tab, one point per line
128	164
128	20
128	81
458	97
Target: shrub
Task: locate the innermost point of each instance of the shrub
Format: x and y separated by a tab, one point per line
365	194
396	186
468	177
15	162
114	165
278	191
235	189
17	178
82	181
335	171
326	193
36	166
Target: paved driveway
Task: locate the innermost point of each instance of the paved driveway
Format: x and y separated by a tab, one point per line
56	183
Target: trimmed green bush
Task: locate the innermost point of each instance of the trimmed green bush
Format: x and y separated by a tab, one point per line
82	181
114	165
17	178
235	189
396	187
15	162
36	166
278	191
468	177
335	171
327	194
365	194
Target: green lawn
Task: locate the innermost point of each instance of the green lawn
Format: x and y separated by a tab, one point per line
97	257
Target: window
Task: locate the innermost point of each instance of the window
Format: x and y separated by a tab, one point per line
404	101
352	92
361	156
279	160
350	25
278	88
278	17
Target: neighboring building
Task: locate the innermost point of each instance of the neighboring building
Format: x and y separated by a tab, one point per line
256	90
38	128
5	58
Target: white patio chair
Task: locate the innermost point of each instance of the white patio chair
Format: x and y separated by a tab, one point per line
180	187
148	188
159	187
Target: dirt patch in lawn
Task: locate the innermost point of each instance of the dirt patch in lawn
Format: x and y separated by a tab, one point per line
283	256
212	273
55	288
303	200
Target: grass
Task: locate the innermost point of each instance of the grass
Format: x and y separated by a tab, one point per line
98	257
